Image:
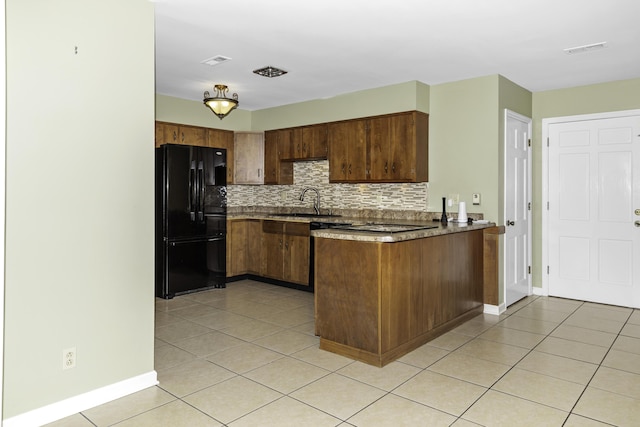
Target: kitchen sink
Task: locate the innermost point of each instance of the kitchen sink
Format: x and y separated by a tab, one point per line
308	215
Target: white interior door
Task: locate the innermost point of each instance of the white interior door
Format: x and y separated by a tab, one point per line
594	210
517	210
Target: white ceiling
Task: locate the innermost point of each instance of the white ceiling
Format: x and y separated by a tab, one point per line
331	47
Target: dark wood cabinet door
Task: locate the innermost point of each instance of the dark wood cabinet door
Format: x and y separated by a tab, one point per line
191	135
236	248
347	151
402	148
271	157
296	253
218	138
314	141
379	134
272	249
254	246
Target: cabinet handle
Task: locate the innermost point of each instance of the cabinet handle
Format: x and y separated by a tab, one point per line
175	136
280	241
343	167
349	168
386	167
182	134
286	245
259	171
393	167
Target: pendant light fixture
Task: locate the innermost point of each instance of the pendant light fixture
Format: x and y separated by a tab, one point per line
220	104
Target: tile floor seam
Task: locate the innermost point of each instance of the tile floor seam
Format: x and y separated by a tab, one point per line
599	365
539	309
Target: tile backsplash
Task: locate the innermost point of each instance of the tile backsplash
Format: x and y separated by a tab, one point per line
405	196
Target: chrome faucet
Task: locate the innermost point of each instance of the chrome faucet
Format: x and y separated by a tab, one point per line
316	203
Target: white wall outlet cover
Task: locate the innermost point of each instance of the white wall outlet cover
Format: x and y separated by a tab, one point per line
69	358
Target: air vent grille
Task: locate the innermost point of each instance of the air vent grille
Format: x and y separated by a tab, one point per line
216	60
585	48
270	71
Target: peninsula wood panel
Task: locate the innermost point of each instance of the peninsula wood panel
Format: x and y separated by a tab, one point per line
347	304
491	264
402	316
377	301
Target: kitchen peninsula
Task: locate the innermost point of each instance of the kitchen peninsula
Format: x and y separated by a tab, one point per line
379	293
379	296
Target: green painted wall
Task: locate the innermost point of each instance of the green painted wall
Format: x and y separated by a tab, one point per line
463	144
177	110
598	98
389	99
79	198
407	96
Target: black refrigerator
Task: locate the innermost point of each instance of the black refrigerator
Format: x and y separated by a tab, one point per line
191	219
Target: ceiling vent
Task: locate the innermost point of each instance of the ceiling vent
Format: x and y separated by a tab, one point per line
270	71
585	48
216	60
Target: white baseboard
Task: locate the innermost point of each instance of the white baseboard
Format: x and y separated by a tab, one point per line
64	408
494	309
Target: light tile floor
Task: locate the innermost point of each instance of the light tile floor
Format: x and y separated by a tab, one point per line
247	356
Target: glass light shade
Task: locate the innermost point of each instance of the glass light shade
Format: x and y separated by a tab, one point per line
220	104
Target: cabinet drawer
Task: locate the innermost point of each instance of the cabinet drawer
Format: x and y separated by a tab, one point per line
276	227
296	229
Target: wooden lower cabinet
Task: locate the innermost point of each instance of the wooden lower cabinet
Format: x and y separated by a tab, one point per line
377	301
243	247
285	251
273	249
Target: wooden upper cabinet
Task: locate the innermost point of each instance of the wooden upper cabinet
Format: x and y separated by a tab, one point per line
309	142
218	138
395	148
276	145
173	133
315	139
348	151
249	158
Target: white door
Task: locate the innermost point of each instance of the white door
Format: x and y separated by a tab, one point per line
517	209
594	210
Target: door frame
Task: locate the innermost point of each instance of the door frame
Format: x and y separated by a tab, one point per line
545	178
508	114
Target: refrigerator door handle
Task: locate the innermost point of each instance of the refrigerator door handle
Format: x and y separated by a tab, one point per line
200	205
192	195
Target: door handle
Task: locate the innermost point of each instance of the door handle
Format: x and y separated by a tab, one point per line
510	223
637	212
637	223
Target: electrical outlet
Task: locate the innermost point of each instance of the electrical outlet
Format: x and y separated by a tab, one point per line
476	198
69	358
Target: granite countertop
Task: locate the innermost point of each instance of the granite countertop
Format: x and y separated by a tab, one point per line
374	236
367	236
